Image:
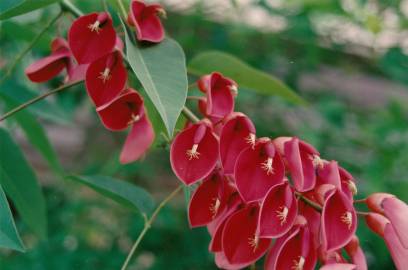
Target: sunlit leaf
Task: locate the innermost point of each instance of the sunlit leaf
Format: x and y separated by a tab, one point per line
12	8
245	75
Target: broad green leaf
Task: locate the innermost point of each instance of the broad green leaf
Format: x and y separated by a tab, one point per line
118	190
161	69
245	75
36	135
9	237
12	8
21	185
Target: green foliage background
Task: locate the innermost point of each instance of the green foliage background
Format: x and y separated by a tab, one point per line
88	231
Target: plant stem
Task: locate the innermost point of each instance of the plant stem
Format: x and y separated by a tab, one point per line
68	6
190	115
30	46
38	98
309	202
122	9
148	224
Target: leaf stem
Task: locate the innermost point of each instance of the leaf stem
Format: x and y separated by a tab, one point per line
38	98
190	115
122	9
148	224
30	46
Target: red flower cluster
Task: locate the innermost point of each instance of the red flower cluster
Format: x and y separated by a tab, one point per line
94	53
253	190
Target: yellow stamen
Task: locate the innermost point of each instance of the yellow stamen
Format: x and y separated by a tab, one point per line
95	27
253	242
282	215
352	186
215	206
317	161
134	119
234	89
105	75
298	265
267	166
192	153
347	218
250	139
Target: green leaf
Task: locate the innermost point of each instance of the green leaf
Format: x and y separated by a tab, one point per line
36	135
162	71
245	75
21	185
120	191
9	237
12	8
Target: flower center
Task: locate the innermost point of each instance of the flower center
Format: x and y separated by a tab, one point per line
283	214
192	153
298	264
215	206
253	242
95	26
347	219
267	166
134	118
250	139
317	161
105	75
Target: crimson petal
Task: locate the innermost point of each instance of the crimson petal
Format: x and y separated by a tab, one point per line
106	78
194	153
339	266
237	133
356	254
278	211
145	18
91	37
339	221
139	139
240	242
48	67
220	100
123	111
257	170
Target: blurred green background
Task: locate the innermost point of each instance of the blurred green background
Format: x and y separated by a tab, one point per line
348	59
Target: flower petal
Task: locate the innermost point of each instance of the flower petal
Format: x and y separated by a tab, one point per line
339	266
194	153
138	141
237	133
106	78
91	37
257	170
48	67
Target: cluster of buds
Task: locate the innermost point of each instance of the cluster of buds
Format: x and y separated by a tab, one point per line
277	196
94	53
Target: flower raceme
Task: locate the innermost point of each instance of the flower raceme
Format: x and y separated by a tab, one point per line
277	196
94	53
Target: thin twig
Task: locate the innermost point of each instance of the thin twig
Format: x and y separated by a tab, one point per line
38	98
148	224
30	46
68	6
309	202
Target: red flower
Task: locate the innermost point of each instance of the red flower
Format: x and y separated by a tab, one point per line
237	133
126	110
278	211
145	19
302	160
395	210
106	78
294	250
194	153
240	242
48	67
257	169
339	221
356	254
91	37
382	226
219	95
208	200
329	173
